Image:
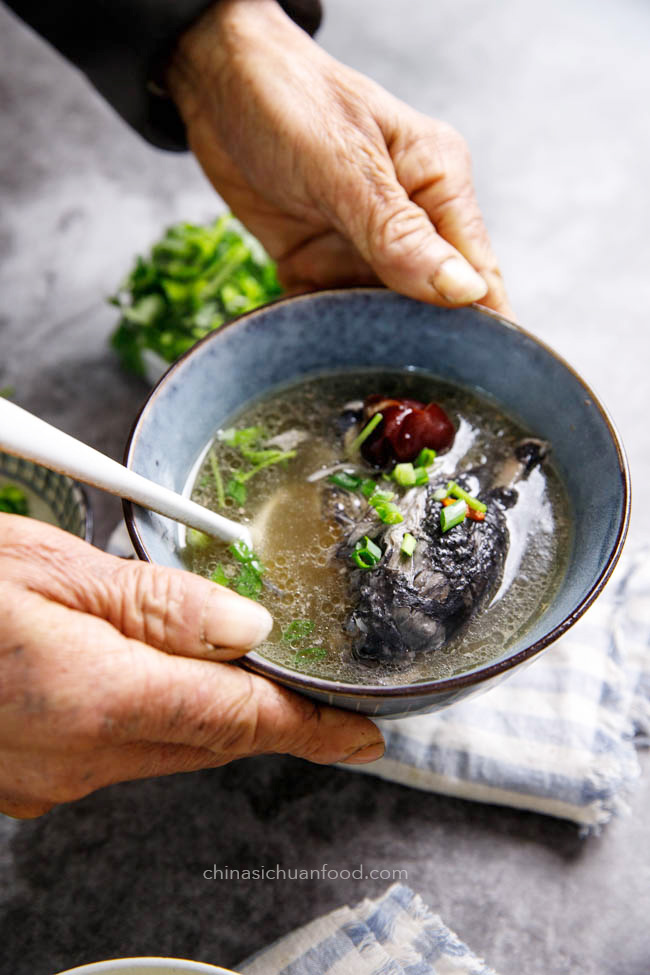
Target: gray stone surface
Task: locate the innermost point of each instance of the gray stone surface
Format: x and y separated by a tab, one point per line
553	100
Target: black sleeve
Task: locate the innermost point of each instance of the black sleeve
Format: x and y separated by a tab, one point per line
121	44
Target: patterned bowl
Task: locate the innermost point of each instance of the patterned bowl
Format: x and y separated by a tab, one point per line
368	327
52	497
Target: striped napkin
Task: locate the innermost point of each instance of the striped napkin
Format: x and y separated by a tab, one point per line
558	737
393	935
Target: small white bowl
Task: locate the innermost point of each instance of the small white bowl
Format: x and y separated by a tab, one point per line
147	966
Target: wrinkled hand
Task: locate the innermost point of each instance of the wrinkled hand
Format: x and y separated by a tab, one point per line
340	181
113	670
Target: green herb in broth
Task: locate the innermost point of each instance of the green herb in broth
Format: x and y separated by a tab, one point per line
248	442
296	542
298	630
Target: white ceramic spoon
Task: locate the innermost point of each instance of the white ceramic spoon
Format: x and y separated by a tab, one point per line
23	434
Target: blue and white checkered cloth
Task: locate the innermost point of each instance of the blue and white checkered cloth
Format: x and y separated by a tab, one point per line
560	736
393	935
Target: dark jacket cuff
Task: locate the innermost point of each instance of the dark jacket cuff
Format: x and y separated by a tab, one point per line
121	44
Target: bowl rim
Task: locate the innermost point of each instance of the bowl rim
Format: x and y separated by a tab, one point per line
108	966
304	682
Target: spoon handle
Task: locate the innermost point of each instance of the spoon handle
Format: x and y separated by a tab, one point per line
25	435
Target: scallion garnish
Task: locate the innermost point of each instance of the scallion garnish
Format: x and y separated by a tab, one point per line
408	544
349	482
404	474
457	492
440	494
380	496
425	458
368	487
387	511
366	554
453	515
421	476
197	539
372	423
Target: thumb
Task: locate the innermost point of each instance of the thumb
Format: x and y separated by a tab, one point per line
169	609
401	244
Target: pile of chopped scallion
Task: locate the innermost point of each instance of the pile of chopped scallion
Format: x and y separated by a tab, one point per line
196	278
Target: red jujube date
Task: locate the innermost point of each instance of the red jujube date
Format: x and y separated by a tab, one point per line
406	428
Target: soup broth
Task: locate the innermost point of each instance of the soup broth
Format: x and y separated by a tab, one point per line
293	510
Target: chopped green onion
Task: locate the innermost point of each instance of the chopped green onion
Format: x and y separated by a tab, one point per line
386	510
298	630
196	538
408	544
368	487
452	515
425	458
347	481
389	513
380	496
404	474
366	554
219	576
373	422
218	480
440	494
421	476
309	653
458	492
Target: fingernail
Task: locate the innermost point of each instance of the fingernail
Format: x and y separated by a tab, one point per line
456	281
369	753
232	621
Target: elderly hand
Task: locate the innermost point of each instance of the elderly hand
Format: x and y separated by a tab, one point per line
340	181
113	670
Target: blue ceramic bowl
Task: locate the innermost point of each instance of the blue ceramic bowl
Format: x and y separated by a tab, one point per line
472	347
